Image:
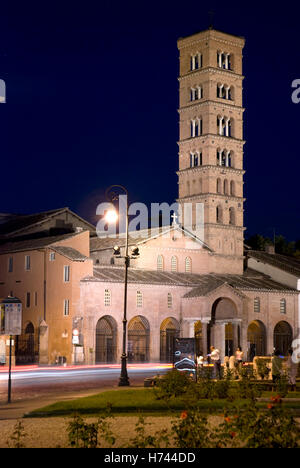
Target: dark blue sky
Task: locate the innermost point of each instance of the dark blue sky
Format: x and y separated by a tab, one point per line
92	98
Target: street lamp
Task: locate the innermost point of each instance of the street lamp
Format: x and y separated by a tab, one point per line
111	217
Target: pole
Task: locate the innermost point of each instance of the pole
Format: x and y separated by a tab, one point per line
9	370
124	381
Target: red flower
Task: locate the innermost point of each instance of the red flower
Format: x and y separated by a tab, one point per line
270	406
232	434
227	419
184	415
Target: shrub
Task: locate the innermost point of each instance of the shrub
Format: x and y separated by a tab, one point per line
89	435
173	384
262	368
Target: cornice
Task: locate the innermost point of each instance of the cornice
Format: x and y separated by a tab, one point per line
209	34
215	70
215	195
196	169
228	227
215	136
200	103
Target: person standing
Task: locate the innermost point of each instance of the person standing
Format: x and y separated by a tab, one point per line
216	360
292	370
239	356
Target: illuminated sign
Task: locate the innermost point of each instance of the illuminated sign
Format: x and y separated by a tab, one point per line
10	317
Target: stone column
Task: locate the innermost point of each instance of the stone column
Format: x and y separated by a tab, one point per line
205	322
235	325
219	337
43	345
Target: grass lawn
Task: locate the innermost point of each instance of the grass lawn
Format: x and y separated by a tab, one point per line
133	401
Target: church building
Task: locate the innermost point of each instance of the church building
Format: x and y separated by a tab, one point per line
187	281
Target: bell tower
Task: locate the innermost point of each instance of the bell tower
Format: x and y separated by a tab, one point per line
211	142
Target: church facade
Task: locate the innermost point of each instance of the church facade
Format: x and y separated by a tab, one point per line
184	284
188	281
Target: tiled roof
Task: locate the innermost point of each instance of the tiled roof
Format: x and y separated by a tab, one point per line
70	253
18	223
103	243
288	264
32	244
201	284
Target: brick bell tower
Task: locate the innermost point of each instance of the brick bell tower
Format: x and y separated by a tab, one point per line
211	142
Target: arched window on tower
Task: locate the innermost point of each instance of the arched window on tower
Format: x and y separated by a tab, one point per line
196	127
225	187
232	216
232	188
219	214
219	186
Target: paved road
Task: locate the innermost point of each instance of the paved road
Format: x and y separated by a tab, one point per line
31	382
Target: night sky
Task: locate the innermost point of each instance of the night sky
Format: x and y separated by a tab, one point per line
92	98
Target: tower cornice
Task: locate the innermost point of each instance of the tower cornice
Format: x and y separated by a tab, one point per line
219	169
215	136
212	195
202	102
215	70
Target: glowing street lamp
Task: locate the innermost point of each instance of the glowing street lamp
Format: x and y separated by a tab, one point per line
111	217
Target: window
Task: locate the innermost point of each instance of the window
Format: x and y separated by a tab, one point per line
28	299
139	299
66	273
174	263
196	62
232	216
219	214
224	60
224	92
107	298
196	93
160	263
224	158
188	265
225	187
257	305
196	127
66	307
196	159
170	301
35	298
52	256
10	264
232	188
283	306
27	262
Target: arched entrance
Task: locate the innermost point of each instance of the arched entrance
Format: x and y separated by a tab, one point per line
26	349
223	330
256	337
106	340
283	337
169	331
138	339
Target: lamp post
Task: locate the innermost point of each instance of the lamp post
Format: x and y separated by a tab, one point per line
112	216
